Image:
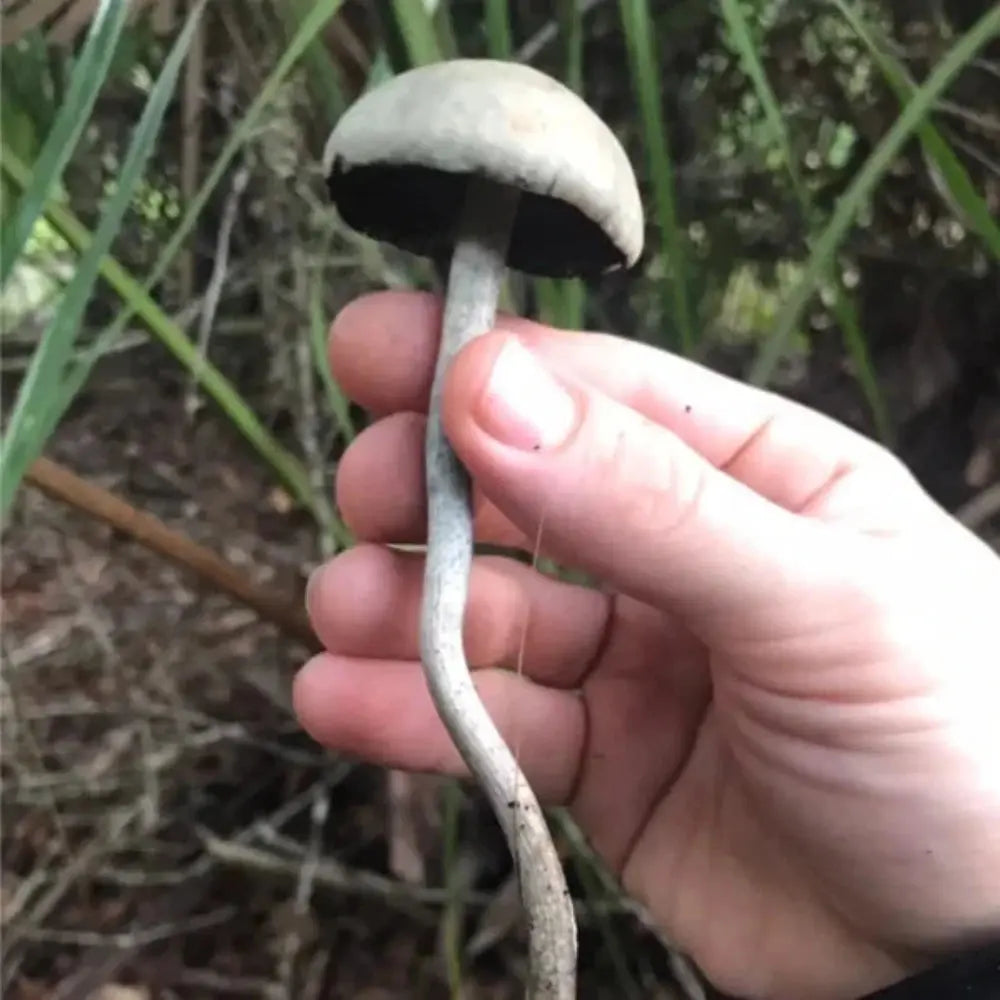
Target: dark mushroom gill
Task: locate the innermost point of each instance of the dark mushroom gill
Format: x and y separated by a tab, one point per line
417	209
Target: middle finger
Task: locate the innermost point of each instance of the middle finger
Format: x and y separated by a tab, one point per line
366	602
381	494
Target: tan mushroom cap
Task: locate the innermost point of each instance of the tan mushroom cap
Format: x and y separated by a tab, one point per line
397	161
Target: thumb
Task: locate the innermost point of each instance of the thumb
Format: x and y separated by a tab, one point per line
621	497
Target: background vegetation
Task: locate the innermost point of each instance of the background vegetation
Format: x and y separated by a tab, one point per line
822	182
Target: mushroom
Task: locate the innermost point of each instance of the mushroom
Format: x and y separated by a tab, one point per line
492	164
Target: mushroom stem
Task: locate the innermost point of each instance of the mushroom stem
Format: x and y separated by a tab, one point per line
477	269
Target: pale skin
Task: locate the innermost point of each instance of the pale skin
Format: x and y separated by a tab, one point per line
776	719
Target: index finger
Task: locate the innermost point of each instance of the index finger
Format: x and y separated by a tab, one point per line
383	347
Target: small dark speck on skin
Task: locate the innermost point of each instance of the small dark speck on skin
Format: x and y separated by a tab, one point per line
687	409
536	447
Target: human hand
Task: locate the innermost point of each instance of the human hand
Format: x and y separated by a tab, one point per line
777	720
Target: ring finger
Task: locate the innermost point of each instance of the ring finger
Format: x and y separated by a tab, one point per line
380	488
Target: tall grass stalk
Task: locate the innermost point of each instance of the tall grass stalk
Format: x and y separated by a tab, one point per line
638	26
311	25
843	307
499	39
286	466
137	299
824	251
25	439
85	84
966	201
419	33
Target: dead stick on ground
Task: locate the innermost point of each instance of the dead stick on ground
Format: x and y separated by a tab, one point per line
57	482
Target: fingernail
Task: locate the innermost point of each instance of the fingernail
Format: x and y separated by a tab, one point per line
523	405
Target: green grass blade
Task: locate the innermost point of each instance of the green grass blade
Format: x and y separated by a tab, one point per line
743	41
639	34
288	468
138	301
571	27
560	302
416	26
499	38
864	368
445	30
22	444
969	203
318	329
453	917
596	884
309	28
85	84
563	302
548	301
26	80
857	346
822	257
575	298
334	533
326	78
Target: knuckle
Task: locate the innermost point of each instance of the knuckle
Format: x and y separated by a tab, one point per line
660	490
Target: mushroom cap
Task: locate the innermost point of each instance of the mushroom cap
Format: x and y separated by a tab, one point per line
397	162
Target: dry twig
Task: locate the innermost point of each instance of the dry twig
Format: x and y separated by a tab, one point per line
59	483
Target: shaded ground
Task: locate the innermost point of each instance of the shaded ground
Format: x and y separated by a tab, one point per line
163	814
